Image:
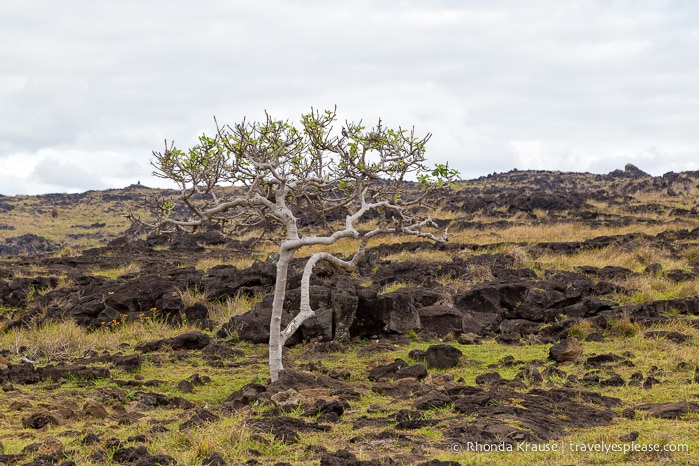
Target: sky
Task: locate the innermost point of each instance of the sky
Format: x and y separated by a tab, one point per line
89	89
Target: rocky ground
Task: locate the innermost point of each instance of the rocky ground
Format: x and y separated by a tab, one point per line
564	311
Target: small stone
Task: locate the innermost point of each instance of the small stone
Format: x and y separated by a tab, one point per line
90	439
40	419
434	399
417	355
649	382
595	337
201	417
214	459
530	374
288	400
94	409
185	386
569	349
630	437
469	339
490	378
509	339
50	447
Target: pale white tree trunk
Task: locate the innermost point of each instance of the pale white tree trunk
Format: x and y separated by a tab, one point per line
277	336
276	342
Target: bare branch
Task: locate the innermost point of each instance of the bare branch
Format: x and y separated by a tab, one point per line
275	171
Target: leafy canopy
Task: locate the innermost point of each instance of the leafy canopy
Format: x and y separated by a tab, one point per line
278	169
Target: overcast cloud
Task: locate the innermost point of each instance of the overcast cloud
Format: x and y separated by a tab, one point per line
89	89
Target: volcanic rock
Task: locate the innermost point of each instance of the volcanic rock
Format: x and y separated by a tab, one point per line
442	356
569	349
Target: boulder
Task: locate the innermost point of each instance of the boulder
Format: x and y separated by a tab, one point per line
416	371
186	341
344	301
670	410
389	313
197	314
492	298
320	326
441	320
442	356
386	371
253	325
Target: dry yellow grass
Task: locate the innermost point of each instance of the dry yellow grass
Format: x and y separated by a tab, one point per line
116	272
557	232
65	340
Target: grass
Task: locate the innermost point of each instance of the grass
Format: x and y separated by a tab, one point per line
425	255
116	272
32	214
230	435
647	289
392	287
220	256
66	340
193	295
234	437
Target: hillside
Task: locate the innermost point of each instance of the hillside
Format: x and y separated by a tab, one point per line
562	312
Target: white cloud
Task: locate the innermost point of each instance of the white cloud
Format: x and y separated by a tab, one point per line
591	85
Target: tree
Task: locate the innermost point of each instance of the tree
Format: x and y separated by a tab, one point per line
276	171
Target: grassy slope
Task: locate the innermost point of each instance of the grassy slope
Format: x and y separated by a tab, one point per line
232	436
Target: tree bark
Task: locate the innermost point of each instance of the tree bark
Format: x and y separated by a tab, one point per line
276	342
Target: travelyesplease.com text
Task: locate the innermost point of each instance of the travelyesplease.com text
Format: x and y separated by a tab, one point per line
602	447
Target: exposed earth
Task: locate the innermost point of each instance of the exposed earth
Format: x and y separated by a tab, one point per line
563	310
